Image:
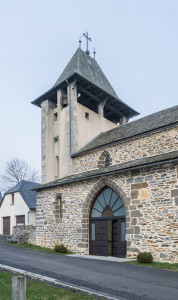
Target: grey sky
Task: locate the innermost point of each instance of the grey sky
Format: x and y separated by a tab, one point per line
136	46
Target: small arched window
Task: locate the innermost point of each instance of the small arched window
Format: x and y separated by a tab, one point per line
105	160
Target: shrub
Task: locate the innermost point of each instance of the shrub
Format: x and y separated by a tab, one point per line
60	248
144	258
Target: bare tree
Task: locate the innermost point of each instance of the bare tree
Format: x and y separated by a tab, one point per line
17	170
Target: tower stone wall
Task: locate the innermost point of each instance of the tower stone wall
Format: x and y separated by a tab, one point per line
67	127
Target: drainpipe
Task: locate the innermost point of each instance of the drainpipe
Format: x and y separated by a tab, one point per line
70	129
28	216
70	115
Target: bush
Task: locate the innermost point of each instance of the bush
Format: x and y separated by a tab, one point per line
60	248
144	258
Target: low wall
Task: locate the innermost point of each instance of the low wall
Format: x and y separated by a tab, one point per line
25	234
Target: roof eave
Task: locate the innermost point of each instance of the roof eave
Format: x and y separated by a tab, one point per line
63	83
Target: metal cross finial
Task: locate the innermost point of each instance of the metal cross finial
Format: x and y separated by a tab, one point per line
87	39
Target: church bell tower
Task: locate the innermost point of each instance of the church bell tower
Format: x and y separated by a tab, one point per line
81	105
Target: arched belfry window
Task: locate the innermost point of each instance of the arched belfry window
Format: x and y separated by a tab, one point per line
108	204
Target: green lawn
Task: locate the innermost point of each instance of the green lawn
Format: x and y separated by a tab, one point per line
34	247
39	291
166	266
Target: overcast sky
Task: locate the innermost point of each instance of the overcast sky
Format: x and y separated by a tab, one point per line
136	46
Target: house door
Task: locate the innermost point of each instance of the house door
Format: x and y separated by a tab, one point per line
6	225
107	225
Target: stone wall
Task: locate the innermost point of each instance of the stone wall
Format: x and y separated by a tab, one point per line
150	197
24	233
150	145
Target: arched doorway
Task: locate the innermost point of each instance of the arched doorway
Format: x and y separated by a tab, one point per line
107	225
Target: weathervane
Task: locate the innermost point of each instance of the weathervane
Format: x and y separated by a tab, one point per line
87	39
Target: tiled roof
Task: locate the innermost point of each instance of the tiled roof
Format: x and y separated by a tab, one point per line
24	188
141	126
145	162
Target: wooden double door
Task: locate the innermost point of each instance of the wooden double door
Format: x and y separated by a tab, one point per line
107	237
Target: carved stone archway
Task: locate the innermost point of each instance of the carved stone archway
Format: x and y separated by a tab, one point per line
86	207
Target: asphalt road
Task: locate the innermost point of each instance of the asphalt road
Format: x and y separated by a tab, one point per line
121	281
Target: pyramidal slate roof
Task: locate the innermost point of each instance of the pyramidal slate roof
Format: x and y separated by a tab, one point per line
87	67
24	188
141	126
92	82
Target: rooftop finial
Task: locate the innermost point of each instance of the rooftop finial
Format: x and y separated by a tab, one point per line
94	52
87	39
80	42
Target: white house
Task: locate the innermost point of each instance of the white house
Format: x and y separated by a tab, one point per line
18	206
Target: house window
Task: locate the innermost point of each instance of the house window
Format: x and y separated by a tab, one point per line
12	198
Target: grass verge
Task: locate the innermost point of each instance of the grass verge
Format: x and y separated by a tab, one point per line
37	248
39	291
165	266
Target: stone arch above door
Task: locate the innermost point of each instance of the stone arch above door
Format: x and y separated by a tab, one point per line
86	205
98	186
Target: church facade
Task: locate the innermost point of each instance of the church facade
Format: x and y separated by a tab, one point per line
106	189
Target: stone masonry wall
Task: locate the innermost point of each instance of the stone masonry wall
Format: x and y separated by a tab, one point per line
150	198
151	145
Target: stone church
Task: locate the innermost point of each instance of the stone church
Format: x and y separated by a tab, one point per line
109	185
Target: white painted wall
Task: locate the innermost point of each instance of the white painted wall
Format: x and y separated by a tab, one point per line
7	209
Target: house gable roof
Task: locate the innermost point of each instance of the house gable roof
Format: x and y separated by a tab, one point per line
24	188
0	197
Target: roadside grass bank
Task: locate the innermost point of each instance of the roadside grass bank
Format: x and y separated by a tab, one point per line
39	291
165	266
37	248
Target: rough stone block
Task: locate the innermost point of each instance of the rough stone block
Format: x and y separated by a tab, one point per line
135	172
141	185
136	213
133	221
133	250
176	201
174	193
143	194
134	194
139	179
137	229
